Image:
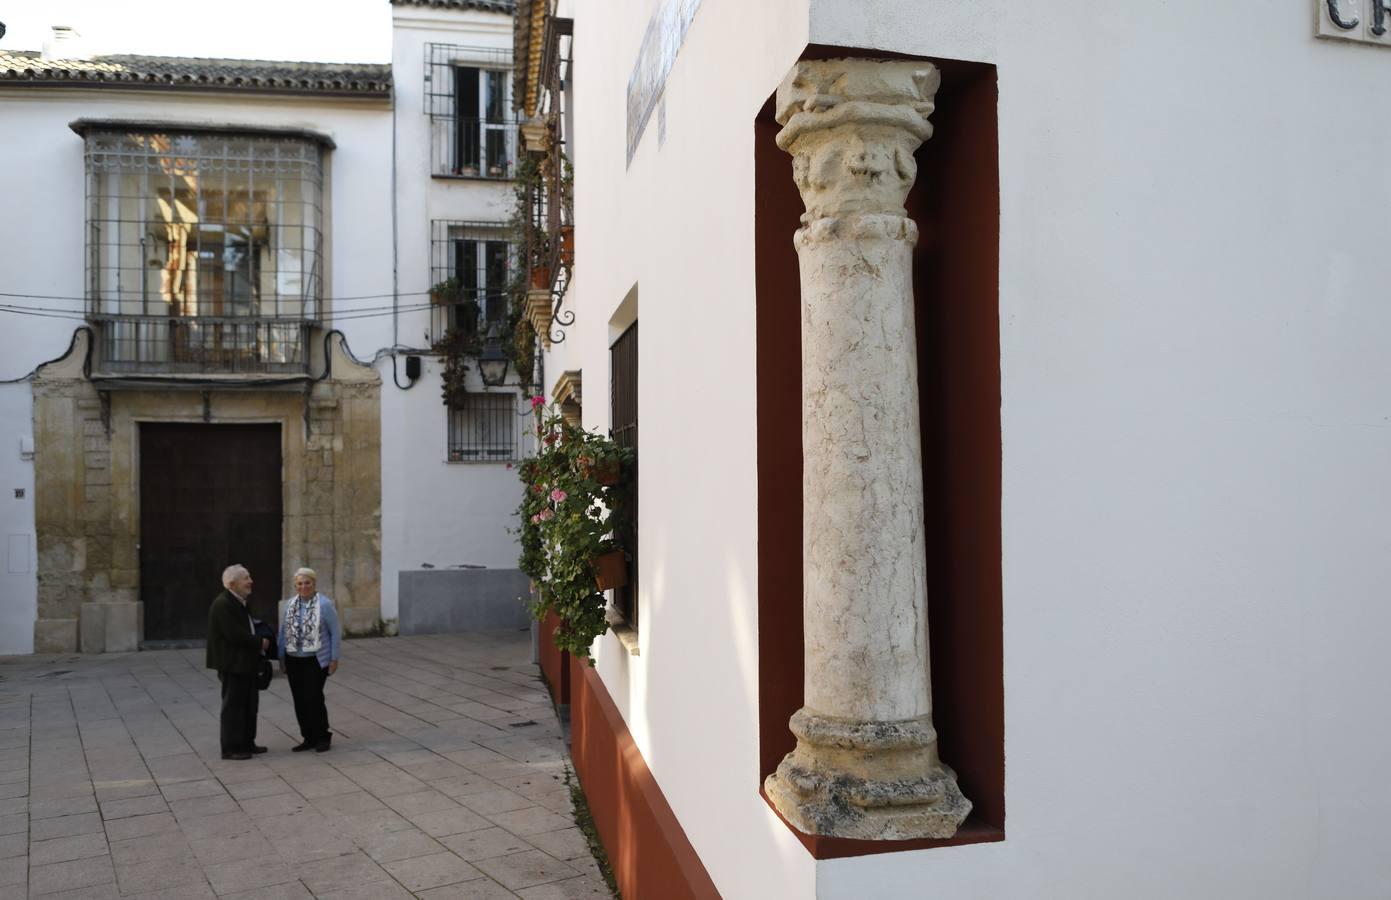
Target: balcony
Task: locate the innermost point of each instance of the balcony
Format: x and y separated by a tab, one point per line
201	345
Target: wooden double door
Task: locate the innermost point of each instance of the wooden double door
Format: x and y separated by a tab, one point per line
210	496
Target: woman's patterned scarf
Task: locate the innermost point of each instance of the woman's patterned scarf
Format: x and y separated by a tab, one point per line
302	625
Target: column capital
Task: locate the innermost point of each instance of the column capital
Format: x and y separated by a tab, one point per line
852	126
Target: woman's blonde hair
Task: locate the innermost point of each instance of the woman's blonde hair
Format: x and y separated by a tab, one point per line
307	573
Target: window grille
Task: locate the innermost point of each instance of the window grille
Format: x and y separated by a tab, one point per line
476	258
623	368
192	237
468	97
486	427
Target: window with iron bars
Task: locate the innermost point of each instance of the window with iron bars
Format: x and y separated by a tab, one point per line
477	260
203	249
468	97
486	427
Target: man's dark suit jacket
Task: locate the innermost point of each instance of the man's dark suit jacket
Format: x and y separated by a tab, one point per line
232	647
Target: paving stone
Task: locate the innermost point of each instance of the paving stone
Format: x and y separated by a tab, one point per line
182	892
449	821
419	802
394	845
532	820
496	801
231	848
479	889
63	826
570	889
148	849
530	867
435	870
141	826
340	872
135	806
564	844
291	890
12	845
275	805
185	790
47	809
261	787
144	877
14	823
13	871
71	875
229	877
63	849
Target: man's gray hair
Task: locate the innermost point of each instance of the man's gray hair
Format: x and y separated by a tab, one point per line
307	573
232	573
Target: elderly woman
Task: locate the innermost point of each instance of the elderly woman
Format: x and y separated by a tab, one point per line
310	640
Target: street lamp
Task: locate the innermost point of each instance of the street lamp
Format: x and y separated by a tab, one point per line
492	362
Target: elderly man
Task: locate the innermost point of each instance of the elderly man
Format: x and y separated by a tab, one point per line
236	652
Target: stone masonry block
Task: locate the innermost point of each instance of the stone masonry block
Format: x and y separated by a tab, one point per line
55	636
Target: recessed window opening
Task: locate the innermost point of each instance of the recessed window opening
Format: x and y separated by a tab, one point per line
468	97
485	428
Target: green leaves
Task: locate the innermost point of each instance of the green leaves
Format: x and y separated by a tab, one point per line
568	513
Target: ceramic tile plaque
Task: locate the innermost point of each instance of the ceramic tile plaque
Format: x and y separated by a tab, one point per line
1364	21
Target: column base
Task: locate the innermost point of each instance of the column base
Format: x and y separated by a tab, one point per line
869	780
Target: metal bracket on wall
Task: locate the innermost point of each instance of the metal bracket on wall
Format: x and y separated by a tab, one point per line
207	406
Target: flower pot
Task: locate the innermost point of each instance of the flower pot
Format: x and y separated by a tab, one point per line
605	471
541	278
567	244
610	571
495	171
469	171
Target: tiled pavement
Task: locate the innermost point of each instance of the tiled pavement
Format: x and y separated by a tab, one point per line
446	780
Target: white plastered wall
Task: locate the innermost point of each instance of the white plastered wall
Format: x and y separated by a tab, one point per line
41	249
433	511
1195	434
677	225
1195	431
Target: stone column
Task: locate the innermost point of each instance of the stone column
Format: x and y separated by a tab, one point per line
866	763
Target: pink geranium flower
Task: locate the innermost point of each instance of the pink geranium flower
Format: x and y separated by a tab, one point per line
537	402
536	519
546	514
558	495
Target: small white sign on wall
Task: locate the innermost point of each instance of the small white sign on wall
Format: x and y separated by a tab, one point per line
1364	21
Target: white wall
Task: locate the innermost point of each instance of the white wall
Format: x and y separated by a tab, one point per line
1193	310
435	511
678	224
18	550
41	248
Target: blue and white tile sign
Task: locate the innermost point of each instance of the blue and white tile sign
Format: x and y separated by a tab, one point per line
660	44
1365	21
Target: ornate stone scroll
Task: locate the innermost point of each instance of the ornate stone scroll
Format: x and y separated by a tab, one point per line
866	763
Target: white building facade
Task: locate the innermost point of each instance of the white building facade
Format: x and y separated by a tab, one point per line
228	264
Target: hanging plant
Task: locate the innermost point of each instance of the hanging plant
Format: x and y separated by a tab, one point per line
460	341
568	521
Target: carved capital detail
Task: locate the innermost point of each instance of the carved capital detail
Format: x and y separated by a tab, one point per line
852	126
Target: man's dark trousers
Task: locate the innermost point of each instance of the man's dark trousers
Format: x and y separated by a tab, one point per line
240	702
234	651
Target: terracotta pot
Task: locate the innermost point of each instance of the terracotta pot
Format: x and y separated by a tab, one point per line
605	471
611	571
567	244
541	278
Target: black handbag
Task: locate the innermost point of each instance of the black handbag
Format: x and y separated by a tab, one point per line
267	673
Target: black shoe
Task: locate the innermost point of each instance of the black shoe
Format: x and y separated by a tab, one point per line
241	755
257	748
300	748
322	746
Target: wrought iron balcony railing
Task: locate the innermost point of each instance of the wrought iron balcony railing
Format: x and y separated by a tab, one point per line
165	345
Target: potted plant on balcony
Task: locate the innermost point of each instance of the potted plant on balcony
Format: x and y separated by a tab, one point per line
568	523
